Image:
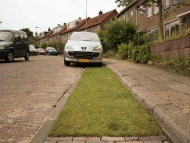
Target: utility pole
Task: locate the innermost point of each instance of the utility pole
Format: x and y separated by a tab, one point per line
86	15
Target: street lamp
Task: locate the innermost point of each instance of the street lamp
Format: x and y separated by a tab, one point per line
0	23
40	28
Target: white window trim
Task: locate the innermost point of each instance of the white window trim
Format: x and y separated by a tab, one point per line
131	12
150	10
156	8
167	6
176	1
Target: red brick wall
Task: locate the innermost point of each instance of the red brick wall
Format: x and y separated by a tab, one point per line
173	49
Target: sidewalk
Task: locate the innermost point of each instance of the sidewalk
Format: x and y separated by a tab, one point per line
166	95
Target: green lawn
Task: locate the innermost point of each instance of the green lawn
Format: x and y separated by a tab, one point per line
101	106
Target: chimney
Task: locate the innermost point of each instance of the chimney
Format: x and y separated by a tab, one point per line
64	24
58	24
100	13
79	18
49	29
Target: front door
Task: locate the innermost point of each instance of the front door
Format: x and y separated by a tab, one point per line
17	45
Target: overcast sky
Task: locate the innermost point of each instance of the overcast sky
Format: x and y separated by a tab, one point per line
18	14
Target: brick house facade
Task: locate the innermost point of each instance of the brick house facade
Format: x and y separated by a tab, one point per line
176	16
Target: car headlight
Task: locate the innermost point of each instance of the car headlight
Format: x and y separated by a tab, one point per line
69	48
98	48
2	47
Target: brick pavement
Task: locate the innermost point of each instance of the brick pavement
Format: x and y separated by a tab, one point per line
29	90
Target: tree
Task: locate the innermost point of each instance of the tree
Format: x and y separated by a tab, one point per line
28	32
160	15
31	38
114	34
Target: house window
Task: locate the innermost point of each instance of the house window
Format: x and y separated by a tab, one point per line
156	8
131	12
126	16
188	23
167	3
176	1
150	10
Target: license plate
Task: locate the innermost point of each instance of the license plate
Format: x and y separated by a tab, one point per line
84	60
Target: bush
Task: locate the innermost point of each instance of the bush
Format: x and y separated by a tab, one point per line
44	45
141	54
110	54
125	51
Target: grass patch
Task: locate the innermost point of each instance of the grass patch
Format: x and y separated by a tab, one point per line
101	106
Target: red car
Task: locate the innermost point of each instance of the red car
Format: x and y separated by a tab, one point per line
40	51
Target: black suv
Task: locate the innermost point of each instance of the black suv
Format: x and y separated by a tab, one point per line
13	44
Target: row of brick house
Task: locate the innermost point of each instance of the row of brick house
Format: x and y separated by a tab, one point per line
178	18
62	32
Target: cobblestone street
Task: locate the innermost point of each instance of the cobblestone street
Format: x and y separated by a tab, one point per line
29	90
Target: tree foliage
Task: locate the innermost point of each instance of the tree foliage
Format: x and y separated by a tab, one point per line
28	32
31	38
117	32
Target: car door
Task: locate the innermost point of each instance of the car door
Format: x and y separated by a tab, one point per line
17	45
25	44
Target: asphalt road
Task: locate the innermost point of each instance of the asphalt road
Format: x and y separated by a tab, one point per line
29	90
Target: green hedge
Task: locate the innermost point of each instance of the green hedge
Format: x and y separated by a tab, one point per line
139	54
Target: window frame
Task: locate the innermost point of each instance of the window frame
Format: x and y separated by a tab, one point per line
176	1
156	8
166	5
149	13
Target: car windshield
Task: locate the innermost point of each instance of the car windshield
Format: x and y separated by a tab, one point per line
32	47
84	36
51	48
6	36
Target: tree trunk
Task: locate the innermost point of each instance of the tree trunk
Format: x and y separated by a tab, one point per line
160	26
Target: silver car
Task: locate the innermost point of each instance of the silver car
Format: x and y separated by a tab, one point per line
83	47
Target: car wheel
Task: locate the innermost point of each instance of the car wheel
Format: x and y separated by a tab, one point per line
66	63
10	57
27	56
99	64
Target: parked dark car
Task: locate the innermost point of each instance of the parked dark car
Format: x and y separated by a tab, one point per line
40	51
13	44
50	51
33	50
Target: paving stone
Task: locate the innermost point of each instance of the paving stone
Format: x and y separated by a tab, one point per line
113	139
71	142
49	141
86	139
166	142
144	139
152	141
59	139
131	142
158	138
99	141
131	138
